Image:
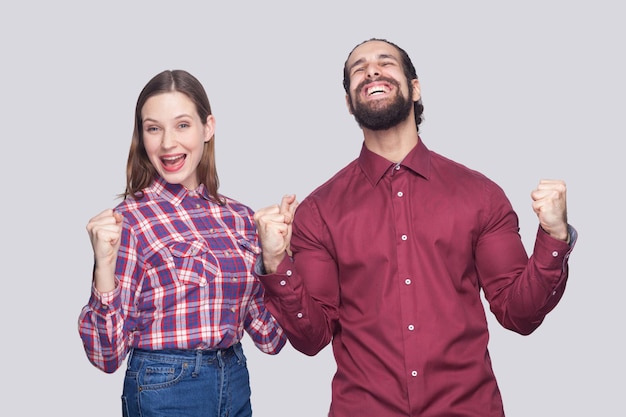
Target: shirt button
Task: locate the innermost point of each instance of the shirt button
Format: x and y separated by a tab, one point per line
233	309
203	282
404	237
407	281
555	254
234	279
197	205
397	167
411	327
288	273
413	373
283	283
400	193
299	315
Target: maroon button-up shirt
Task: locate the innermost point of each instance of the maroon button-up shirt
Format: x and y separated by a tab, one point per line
388	264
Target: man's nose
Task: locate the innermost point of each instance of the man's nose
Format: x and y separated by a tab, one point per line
373	70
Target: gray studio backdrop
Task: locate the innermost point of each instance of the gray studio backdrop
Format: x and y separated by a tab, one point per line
517	90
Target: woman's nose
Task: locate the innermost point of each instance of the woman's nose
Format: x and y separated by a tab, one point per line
168	140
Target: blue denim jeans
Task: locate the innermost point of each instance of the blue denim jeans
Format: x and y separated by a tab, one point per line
181	383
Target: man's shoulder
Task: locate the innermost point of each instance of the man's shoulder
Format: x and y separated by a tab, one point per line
456	168
337	183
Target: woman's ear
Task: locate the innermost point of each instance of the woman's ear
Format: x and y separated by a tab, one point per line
209	128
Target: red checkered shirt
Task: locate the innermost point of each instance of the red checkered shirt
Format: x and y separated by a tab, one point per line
184	280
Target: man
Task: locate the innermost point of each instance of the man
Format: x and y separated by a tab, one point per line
390	255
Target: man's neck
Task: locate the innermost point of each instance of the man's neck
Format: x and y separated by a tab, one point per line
392	144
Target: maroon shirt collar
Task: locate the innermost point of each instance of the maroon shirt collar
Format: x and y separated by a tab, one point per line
375	166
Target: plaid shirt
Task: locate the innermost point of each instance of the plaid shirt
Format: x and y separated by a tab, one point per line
184	280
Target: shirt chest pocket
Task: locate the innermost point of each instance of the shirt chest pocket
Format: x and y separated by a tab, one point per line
194	262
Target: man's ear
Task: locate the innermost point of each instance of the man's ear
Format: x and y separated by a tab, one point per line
417	93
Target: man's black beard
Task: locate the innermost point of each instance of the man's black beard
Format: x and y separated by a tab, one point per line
371	117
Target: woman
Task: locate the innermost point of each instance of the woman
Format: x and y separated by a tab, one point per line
173	288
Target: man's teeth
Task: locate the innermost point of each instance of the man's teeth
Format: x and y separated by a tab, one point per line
376	90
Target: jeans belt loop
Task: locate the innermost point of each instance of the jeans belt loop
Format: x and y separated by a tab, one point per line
196	370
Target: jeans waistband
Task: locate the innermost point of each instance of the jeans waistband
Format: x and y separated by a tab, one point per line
217	357
187	354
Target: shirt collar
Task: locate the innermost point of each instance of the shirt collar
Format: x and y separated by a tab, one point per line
375	166
174	193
